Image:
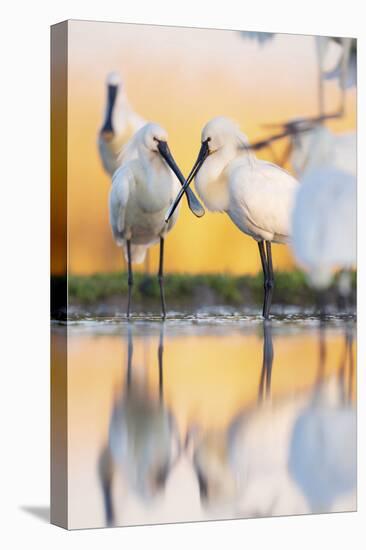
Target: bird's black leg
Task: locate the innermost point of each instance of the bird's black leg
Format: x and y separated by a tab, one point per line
265	273
129	357
320	304
161	277
160	361
270	280
130	277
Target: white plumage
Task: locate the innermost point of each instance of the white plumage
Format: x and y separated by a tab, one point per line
257	195
261	196
120	124
142	190
324	223
319	146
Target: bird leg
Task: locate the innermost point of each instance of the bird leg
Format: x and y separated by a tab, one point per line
270	280
130	277
129	358
160	361
321	304
265	271
161	277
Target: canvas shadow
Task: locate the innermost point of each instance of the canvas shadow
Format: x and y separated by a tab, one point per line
40	512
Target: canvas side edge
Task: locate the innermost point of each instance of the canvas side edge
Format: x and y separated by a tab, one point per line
59	450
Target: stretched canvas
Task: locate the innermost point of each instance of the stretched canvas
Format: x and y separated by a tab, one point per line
203	274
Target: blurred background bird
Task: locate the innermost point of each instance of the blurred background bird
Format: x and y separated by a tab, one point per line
324	225
312	144
119	124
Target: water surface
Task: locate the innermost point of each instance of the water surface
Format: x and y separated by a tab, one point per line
209	417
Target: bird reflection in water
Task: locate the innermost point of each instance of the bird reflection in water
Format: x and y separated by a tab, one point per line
143	442
266	373
322	458
228	462
289	455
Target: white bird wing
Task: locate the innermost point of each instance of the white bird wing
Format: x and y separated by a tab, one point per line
122	181
264	193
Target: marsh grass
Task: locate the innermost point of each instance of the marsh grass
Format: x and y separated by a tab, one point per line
291	288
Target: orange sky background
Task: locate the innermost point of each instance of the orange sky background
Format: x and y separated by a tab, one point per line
180	78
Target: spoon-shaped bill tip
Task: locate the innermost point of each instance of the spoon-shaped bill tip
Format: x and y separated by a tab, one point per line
194	204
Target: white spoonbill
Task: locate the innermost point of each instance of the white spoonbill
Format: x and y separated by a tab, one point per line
142	190
257	195
344	70
119	125
321	147
324	223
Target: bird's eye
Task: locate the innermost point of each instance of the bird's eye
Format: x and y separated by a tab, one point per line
155	139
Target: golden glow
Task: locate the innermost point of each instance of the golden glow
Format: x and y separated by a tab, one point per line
210	390
180	78
208	381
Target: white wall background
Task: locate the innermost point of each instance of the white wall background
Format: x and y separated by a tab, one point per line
24	218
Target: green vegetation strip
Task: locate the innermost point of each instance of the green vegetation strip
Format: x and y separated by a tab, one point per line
290	287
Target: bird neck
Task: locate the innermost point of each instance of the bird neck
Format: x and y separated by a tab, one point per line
122	115
212	181
108	127
157	183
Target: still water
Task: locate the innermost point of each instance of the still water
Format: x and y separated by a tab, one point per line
208	419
